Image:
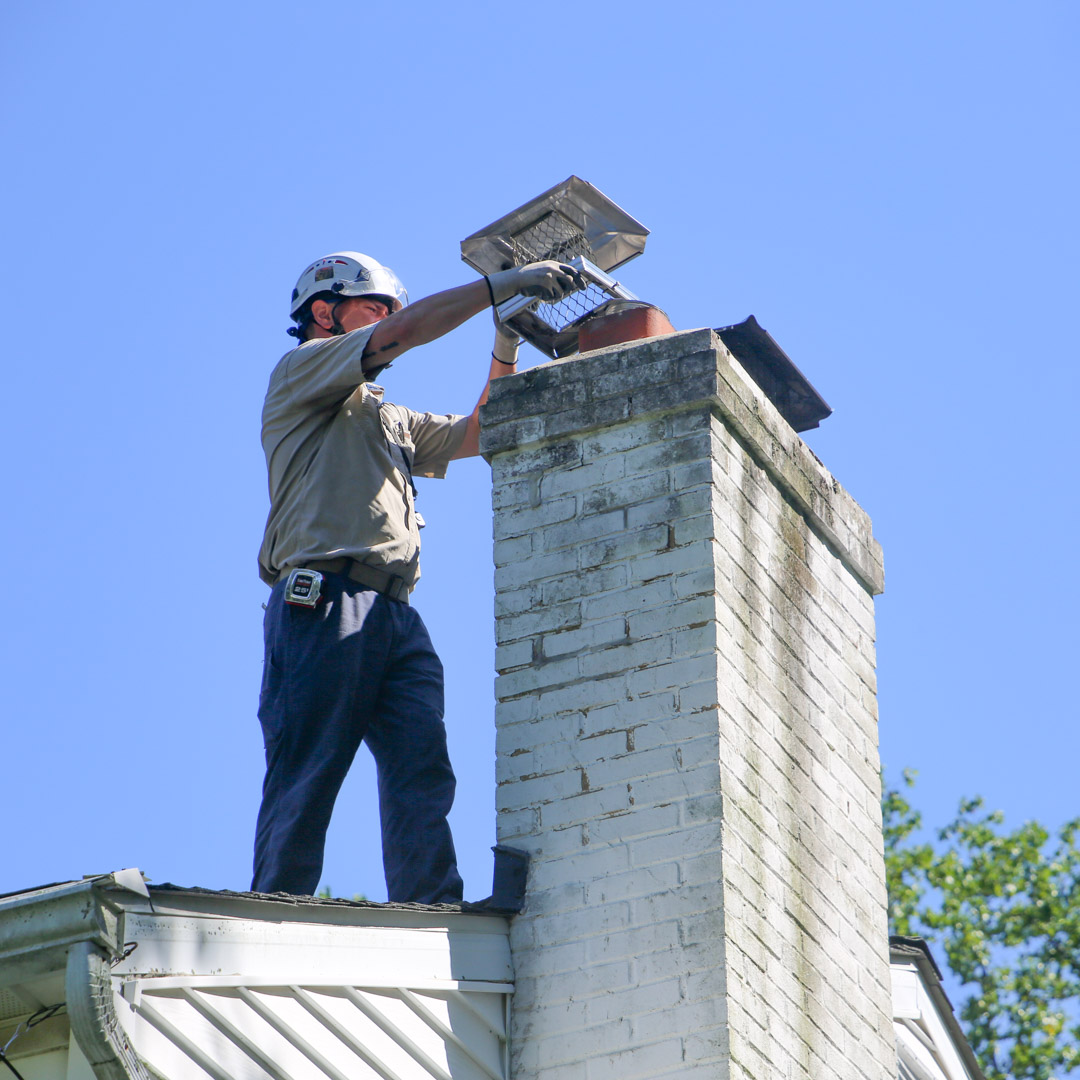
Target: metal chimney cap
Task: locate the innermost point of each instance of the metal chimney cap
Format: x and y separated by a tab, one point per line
612	236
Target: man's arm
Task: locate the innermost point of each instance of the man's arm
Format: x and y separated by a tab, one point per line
424	321
442	312
503	362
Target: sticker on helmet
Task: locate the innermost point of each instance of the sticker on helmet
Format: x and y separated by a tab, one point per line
324	272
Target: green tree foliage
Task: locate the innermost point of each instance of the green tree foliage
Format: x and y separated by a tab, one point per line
326	893
1005	909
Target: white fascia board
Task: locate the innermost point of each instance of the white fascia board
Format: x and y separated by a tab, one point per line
314	953
905	992
912	1002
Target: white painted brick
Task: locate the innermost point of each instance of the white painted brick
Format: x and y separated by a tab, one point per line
600	919
581	478
634	1001
695	611
640	1063
691	791
689	529
624	546
626	714
644	821
587	583
689	476
523	520
551	755
623	767
631	598
508	657
556	455
636	883
513	493
626	493
595	635
594	808
530	570
625	656
555	617
608	1037
669	453
540	792
569	987
513	712
605	744
704	839
539	676
671	509
614	440
667	562
529	732
585	695
690	422
636	942
586	526
696	582
678	673
515	601
515	824
557	843
512	550
586	862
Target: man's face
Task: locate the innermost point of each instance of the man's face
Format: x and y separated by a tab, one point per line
356	311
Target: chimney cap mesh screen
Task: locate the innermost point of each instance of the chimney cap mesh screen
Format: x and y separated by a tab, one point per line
574	223
554	236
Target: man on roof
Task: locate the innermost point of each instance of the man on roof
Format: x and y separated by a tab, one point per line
347	659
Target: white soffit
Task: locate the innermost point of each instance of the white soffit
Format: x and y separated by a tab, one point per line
187	1031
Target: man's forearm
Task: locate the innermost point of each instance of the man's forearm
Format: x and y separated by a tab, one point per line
424	321
503	362
430	318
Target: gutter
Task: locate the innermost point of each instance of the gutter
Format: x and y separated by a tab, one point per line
94	1023
77	928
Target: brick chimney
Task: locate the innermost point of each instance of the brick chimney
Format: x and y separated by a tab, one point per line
687	727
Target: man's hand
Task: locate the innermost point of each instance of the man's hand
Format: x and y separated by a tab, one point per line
551	281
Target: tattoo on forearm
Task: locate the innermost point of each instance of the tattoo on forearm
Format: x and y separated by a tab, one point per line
369	352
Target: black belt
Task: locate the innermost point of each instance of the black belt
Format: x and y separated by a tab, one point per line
391	585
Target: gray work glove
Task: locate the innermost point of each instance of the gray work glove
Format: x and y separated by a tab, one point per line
506	345
549	280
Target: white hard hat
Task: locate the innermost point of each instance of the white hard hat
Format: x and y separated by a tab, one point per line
348	273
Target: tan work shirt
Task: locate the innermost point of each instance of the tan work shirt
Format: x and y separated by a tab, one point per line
337	458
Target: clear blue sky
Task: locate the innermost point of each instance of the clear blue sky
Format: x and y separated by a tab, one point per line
890	189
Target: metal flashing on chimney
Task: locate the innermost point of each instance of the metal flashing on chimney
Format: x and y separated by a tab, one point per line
771	368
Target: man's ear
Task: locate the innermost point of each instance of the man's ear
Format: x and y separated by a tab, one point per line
323	313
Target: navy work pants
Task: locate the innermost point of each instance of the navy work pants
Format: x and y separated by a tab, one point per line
358	667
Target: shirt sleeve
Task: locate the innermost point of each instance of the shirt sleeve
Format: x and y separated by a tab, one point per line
323	371
436	439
